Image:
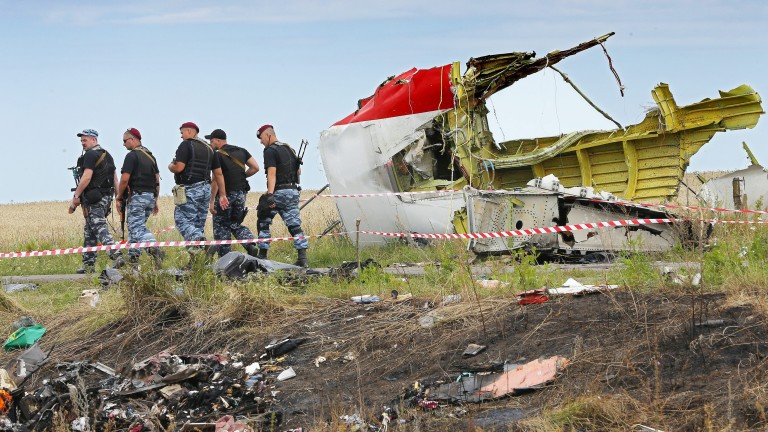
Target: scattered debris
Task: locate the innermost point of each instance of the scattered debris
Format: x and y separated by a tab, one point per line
286	374
183	392
473	349
711	323
450	299
643	428
365	299
24	337
24	321
349	269
110	277
576	288
491	385
679	279
491	283
532	297
90	297
16	287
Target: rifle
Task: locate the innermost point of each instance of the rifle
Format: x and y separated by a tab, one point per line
300	159
76	173
121	208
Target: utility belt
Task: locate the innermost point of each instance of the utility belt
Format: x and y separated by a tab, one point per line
135	192
282	186
180	191
93	196
194	183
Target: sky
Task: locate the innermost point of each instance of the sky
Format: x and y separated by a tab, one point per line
302	65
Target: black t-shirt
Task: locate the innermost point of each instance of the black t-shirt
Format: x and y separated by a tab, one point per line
271	157
142	169
131	162
102	174
234	175
90	158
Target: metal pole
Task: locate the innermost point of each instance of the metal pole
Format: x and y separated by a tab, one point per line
357	243
314	196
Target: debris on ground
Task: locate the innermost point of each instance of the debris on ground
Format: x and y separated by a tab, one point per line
576	288
90	297
237	265
681	279
163	391
532	297
473	349
491	283
515	379
16	287
24	337
365	298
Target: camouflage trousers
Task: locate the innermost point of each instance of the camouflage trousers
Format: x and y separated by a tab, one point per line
287	205
190	217
140	206
229	222
96	230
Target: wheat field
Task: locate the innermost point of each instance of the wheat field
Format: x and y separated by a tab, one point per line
48	225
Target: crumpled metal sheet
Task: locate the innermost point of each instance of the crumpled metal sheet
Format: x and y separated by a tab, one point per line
515	379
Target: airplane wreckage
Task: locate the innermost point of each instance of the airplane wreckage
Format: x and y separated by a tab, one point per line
427	131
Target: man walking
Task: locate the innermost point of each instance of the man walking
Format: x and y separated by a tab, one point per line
282	169
192	169
137	194
94	192
229	222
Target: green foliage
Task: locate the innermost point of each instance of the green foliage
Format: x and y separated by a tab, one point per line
526	276
636	270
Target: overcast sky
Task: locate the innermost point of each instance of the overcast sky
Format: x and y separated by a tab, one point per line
302	65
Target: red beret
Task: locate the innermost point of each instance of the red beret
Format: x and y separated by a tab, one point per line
190	125
262	129
135	132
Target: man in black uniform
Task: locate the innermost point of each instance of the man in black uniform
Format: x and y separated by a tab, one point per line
137	194
192	169
282	169
229	222
94	191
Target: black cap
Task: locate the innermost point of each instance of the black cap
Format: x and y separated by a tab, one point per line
217	133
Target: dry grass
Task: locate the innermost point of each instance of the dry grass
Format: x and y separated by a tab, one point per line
48	225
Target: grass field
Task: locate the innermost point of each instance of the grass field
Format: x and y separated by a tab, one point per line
48	225
664	370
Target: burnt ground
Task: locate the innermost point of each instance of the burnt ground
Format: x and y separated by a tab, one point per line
634	359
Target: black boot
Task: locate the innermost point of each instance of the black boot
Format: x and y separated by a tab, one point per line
252	249
262	254
302	260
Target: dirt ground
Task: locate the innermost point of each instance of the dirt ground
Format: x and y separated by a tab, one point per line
634	359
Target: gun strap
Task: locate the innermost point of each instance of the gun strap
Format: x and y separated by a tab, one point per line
147	155
101	158
237	162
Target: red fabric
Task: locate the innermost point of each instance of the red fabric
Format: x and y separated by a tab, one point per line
135	132
189	125
532	297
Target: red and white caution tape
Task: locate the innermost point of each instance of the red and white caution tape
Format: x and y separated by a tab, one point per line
500	234
529	231
79	250
383	194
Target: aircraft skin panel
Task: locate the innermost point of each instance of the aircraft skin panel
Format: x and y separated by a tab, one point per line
427	129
